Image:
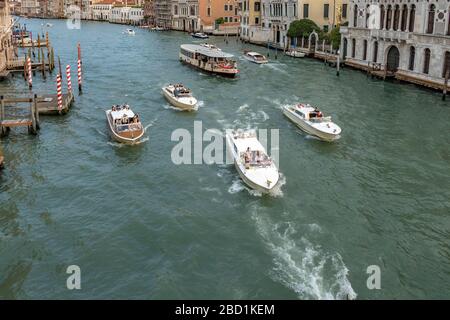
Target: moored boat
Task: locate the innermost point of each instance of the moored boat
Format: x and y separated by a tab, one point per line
312	121
295	53
255	57
124	125
199	35
179	96
211	60
253	164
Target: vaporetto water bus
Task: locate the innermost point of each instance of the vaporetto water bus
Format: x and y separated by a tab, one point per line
209	59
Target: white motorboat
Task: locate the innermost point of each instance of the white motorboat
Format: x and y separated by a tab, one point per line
179	96
199	35
124	125
48	25
253	164
295	53
255	57
158	28
312	121
130	32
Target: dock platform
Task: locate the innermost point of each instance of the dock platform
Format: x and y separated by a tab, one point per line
47	104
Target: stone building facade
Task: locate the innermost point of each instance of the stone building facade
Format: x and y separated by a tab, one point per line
6	46
408	39
185	15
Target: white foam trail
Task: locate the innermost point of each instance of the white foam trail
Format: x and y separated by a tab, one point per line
236	186
243	107
300	265
275	67
201	104
264	115
276	191
150	124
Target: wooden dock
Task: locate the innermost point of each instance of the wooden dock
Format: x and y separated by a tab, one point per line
47	104
18	116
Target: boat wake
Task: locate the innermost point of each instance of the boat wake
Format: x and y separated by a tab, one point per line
238	185
275	67
150	124
300	265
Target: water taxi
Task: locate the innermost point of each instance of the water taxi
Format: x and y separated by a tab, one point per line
179	96
253	164
255	57
124	125
199	35
294	53
208	59
312	121
129	32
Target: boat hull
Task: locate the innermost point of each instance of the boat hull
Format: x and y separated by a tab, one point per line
255	61
231	73
178	104
121	138
310	129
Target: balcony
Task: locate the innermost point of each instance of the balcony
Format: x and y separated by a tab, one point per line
391	35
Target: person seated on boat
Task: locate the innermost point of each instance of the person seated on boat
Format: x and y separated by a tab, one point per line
258	157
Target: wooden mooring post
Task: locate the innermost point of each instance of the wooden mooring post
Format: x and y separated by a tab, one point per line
444	91
338	64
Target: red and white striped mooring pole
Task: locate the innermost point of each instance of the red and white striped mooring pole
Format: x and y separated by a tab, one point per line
79	75
30	75
59	92
69	80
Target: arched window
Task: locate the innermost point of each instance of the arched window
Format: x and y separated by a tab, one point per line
404	17
446	64
430	26
353	47
389	17
355	16
412	18
396	17
375	51
448	23
412	57
382	14
367	15
365	50
426	60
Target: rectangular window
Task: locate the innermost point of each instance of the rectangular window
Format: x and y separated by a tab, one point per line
344	10
209	12
257	6
230	7
256	20
305	10
226	7
326	8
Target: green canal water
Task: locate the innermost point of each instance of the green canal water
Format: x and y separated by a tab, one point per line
140	226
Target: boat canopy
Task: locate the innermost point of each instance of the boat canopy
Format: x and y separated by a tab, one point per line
120	113
252	142
213	53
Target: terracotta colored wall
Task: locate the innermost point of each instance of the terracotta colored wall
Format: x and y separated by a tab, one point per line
217	11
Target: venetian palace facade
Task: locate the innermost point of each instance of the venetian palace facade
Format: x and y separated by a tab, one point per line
6	47
408	39
269	20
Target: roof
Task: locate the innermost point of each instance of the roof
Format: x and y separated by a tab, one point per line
119	114
213	53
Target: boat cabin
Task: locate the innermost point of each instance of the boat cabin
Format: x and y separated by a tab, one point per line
205	56
124	119
307	112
